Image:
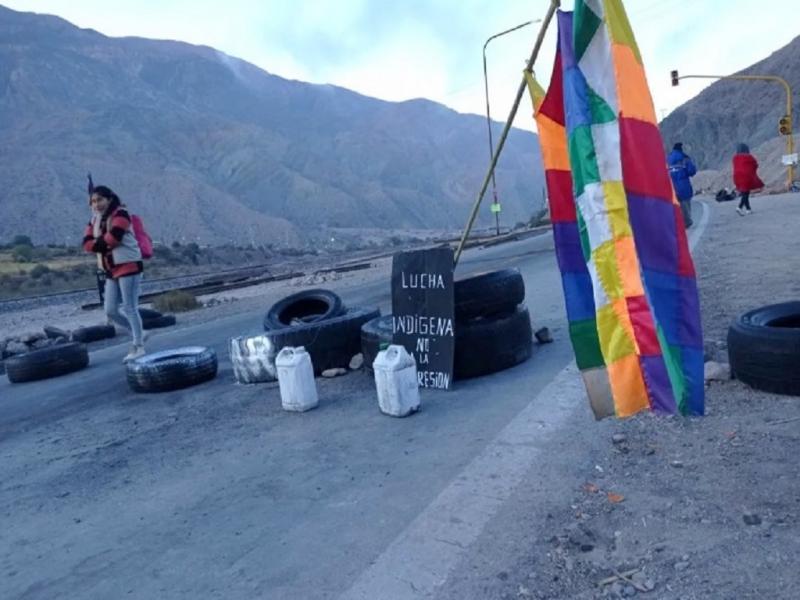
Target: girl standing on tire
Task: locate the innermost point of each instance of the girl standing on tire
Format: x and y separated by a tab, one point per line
122	262
745	177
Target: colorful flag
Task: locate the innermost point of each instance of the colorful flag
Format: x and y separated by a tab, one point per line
627	274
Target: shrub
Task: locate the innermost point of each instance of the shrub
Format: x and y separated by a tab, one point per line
22	253
39	270
175	301
21	240
538	218
10	284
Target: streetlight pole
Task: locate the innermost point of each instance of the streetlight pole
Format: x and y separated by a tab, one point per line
495	203
789	103
537	46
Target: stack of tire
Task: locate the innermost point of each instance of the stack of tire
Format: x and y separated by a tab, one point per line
492	330
315	319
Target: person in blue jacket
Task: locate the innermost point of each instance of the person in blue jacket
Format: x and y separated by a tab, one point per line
681	170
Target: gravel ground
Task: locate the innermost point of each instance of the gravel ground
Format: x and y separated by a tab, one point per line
685	508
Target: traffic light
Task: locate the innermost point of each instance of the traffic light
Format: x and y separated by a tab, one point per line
674	75
785	125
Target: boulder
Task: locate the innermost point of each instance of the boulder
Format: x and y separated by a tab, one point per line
45	343
14	347
30	338
357	362
55	332
334	372
714	371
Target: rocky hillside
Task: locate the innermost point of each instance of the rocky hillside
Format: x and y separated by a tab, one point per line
212	149
729	111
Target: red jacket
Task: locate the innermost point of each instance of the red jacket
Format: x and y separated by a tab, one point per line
745	177
114	227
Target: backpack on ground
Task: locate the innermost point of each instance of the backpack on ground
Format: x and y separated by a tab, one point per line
142	237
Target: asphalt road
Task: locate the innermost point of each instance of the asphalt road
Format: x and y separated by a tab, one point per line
215	492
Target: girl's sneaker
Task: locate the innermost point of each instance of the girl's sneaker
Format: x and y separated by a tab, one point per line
136	352
741	212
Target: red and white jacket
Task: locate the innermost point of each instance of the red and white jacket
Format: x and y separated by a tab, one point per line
115	242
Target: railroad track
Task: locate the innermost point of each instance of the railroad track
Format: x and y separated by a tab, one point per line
211	282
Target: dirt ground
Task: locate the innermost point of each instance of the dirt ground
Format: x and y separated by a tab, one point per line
691	508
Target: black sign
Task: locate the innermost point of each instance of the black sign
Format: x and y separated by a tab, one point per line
422	305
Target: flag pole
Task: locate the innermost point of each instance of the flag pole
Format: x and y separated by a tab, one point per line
554	4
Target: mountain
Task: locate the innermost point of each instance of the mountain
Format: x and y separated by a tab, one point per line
730	111
210	148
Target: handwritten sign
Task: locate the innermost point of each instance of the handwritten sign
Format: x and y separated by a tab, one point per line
422	305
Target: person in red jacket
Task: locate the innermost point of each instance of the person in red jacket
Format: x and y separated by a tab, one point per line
745	177
110	234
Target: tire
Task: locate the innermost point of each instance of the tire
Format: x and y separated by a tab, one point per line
47	362
764	348
253	359
492	344
148	313
331	343
488	294
93	333
308	306
172	369
159	322
374	334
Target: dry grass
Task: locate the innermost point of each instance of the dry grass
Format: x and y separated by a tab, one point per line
177	301
9	265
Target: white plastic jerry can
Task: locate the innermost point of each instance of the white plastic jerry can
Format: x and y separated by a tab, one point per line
396	379
296	380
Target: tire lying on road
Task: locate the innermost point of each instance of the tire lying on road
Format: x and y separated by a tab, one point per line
492	344
331	343
488	294
148	313
93	333
764	348
158	322
47	362
307	306
172	369
253	359
374	335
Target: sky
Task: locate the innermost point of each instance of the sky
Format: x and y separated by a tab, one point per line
397	50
